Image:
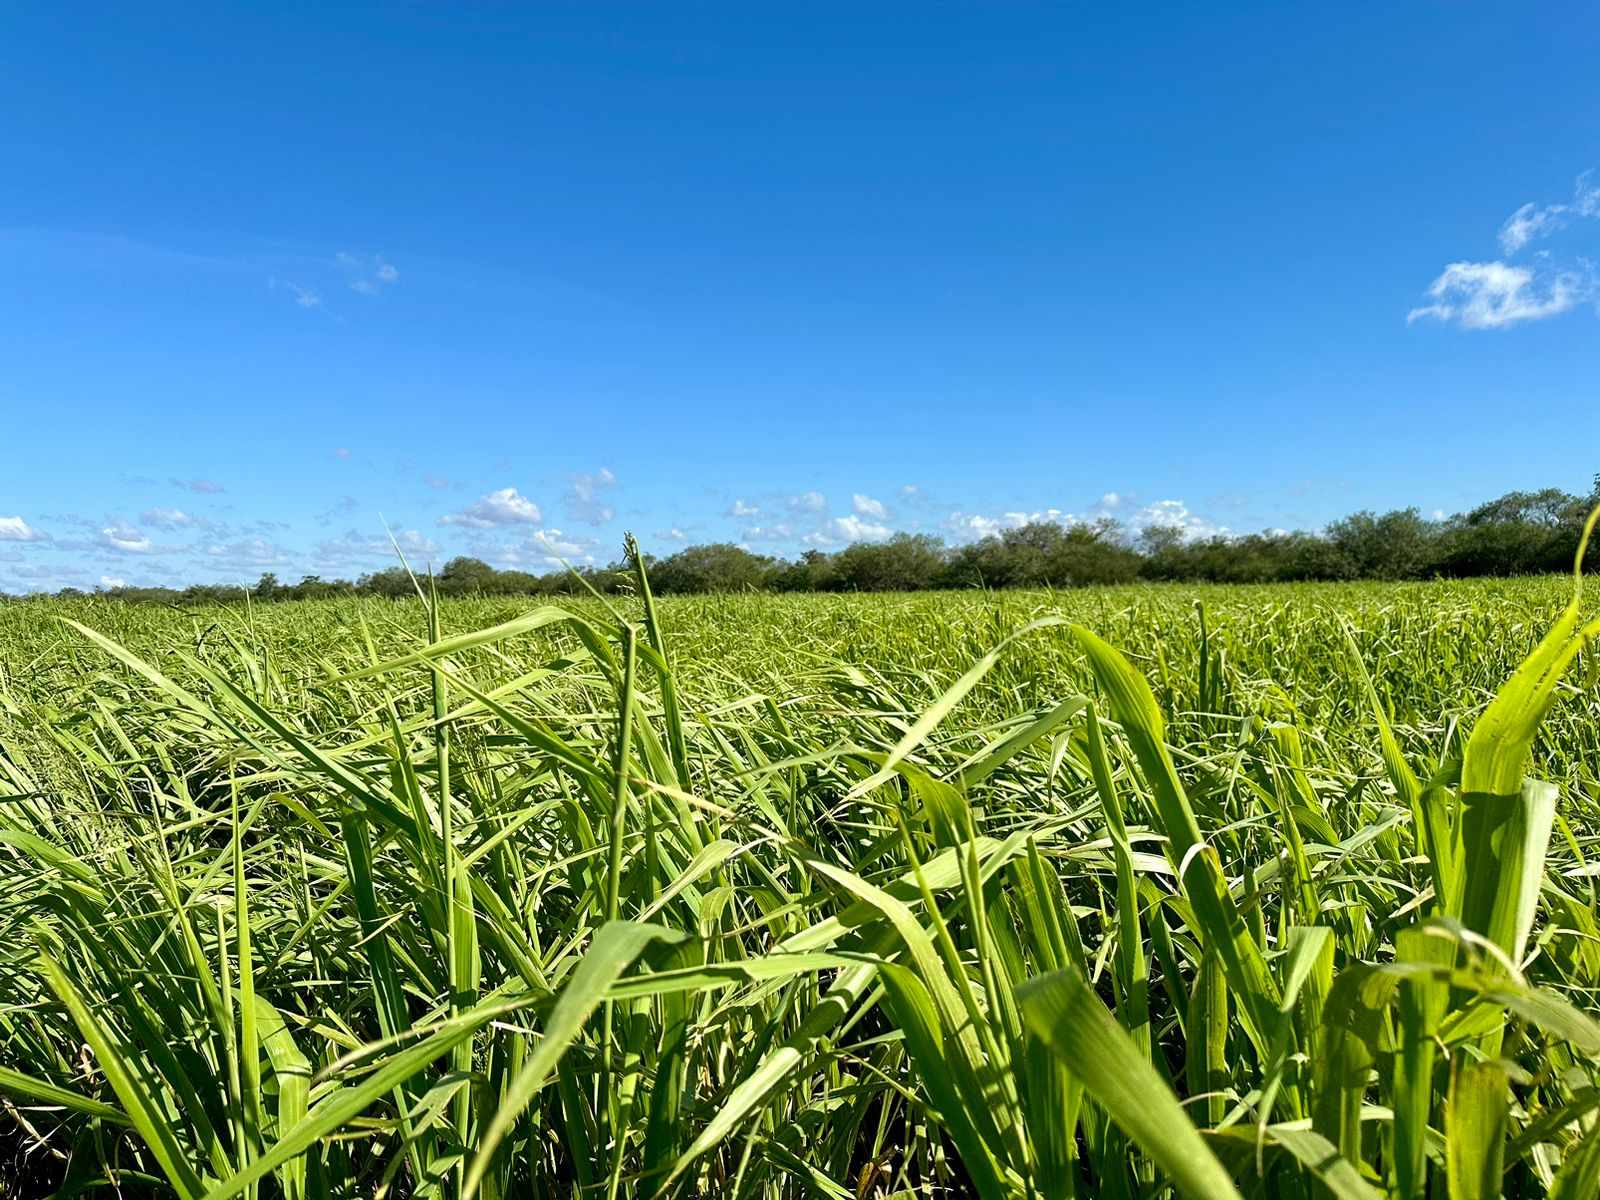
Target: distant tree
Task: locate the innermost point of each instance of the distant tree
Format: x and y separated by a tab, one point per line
1548	507
907	562
1395	545
718	567
464	576
814	571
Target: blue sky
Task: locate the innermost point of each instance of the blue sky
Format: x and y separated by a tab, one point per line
515	278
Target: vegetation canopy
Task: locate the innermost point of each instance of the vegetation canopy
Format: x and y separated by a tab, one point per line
1267	891
1521	533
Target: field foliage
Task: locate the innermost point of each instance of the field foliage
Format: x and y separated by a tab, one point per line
1117	892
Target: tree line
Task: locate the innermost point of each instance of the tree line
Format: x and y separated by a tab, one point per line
1520	533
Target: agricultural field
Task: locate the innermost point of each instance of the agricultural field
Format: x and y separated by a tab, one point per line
1125	892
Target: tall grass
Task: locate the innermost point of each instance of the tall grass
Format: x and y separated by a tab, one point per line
1120	893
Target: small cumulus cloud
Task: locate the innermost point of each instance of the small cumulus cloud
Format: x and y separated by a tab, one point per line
855	529
973	526
586	497
504	507
1175	514
866	506
110	582
740	509
15	529
247	553
808	502
544	548
781	532
672	535
125	539
1110	500
355	548
165	518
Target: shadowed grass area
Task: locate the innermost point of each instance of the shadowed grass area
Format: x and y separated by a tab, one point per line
1228	891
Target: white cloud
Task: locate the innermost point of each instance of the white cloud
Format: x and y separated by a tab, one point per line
586	497
1494	295
251	552
740	509
1586	195
546	547
126	539
165	518
112	581
504	507
1175	514
673	535
1110	500
203	487
369	274
353	547
1530	222
854	529
972	526
305	297
808	502
781	532
866	506
910	492
15	529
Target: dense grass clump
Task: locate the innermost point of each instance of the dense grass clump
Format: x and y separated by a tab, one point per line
1267	891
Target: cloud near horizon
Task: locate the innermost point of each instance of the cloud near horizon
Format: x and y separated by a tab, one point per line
507	506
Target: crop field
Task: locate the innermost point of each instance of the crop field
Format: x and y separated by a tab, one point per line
1282	891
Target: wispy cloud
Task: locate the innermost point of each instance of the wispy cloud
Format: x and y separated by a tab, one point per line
740	509
808	502
247	554
586	497
165	518
1494	295
1498	294
204	487
368	274
15	529
305	297
1530	222
125	539
866	506
504	507
353	548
